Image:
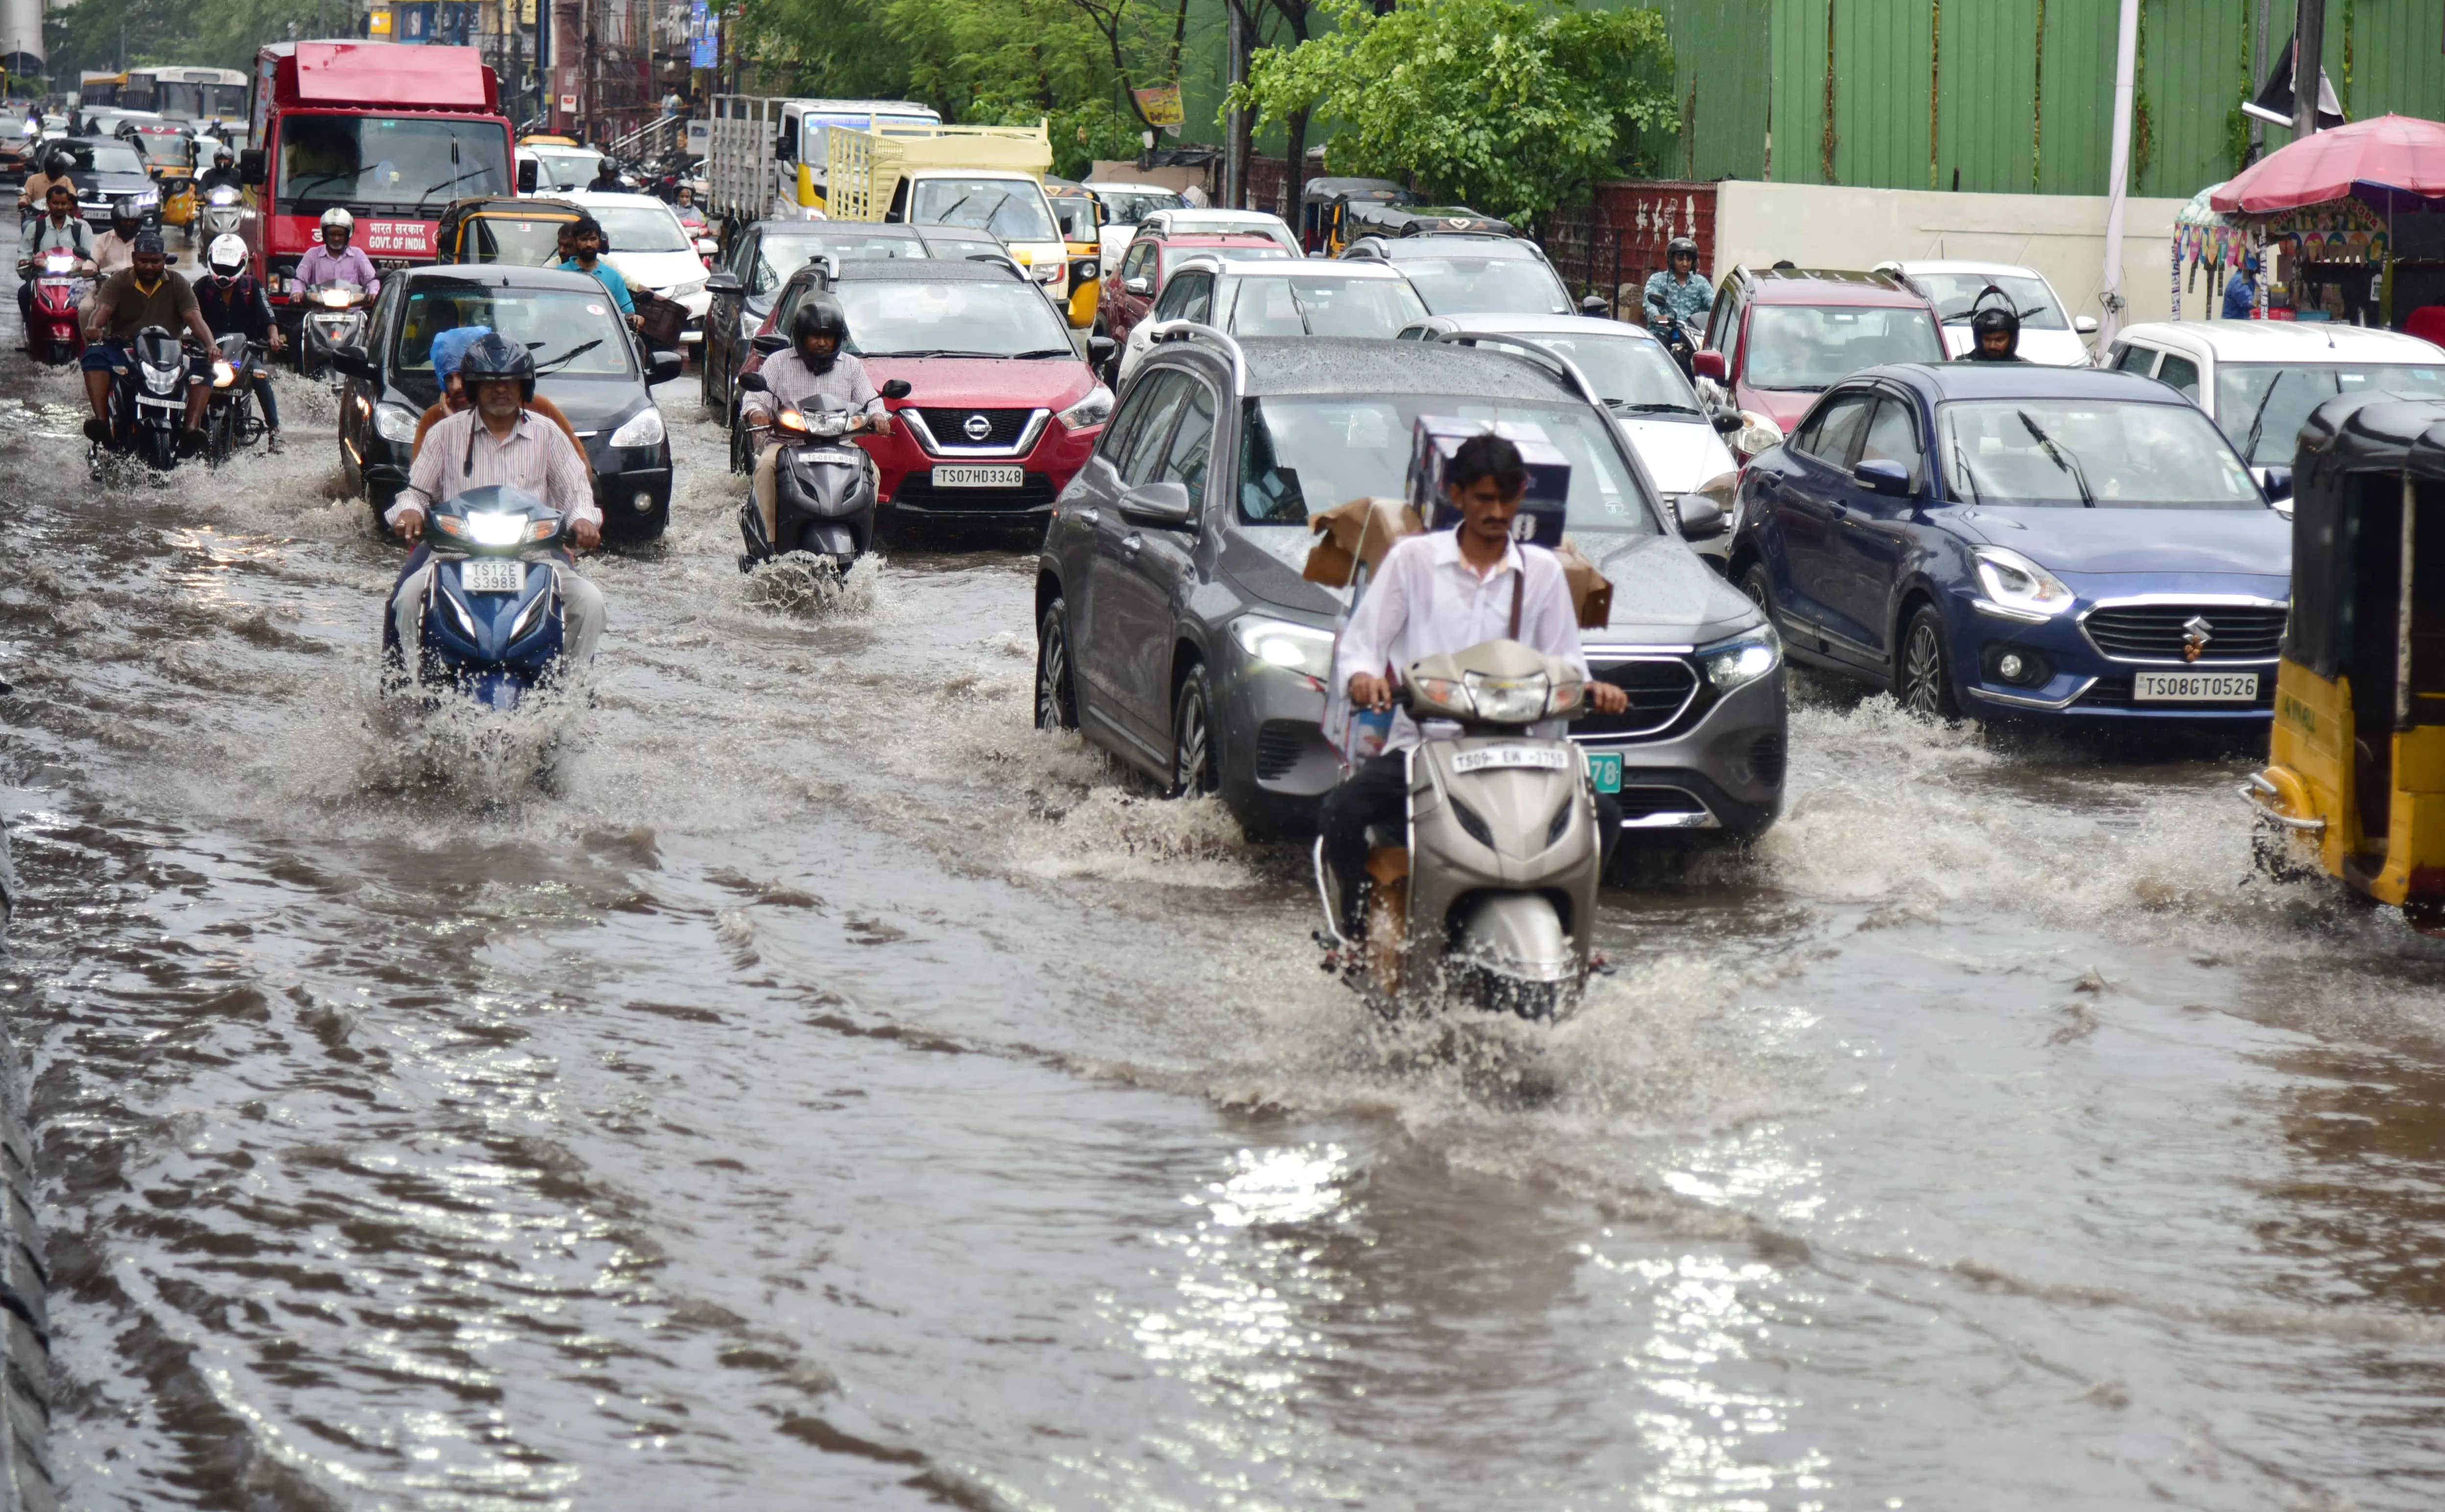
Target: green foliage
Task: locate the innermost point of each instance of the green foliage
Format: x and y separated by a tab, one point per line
1080	133
1511	106
221	34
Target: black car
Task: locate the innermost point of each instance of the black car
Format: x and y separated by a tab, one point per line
760	261
587	360
107	170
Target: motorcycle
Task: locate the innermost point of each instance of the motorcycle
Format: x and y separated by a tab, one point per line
229	418
824	498
1676	338
54	329
1488	896
148	401
335	317
493	618
223	208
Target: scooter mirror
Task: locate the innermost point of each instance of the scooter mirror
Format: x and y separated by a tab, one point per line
895	388
752	384
771	341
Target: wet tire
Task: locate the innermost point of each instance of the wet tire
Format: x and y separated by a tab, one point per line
1923	670
1195	770
1056	694
1758	588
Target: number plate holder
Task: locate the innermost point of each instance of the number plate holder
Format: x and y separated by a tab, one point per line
491	574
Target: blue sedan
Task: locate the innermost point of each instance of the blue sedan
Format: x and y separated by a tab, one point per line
2011	541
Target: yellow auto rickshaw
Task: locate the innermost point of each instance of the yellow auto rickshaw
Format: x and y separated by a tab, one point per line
2355	781
1082	219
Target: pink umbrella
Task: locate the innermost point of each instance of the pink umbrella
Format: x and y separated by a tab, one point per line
2399	153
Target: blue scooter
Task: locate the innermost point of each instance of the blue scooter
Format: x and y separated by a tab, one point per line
492	620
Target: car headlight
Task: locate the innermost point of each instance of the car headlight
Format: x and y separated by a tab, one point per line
1280	642
395	422
1045	272
694	285
644	429
1758	434
1744	658
2015	582
1093	410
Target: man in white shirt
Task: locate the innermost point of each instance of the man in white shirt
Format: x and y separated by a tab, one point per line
1445	592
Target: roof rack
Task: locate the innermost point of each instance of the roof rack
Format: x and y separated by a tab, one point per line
1193	330
1564	365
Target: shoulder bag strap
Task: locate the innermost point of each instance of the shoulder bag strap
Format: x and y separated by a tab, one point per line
1518	587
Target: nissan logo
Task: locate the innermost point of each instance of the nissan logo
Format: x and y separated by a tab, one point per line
977	427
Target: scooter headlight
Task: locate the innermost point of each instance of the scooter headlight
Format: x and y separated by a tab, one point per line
826	424
395	422
1508	701
1743	659
337	299
1280	642
496	530
644	429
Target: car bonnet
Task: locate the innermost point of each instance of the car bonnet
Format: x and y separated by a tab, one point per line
2071	539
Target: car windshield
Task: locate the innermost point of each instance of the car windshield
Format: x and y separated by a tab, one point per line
1486	285
1957	296
784	255
512	239
2261	406
166	147
1299	455
389	163
651	226
565	170
2085	451
1012	209
102	158
1127	207
1322	306
1812	347
1633	374
569	331
997	318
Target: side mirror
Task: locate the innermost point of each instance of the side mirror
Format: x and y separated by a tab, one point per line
250	168
1699	517
2279	484
530	176
1878	475
1726	422
2085	325
769	342
707	246
752	384
725	285
1138	286
1100	349
1708	364
1165	505
354	362
663	366
894	388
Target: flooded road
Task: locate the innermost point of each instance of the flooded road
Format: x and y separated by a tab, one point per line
832	1092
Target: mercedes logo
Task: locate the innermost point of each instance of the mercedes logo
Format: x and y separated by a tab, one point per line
977	427
2196	633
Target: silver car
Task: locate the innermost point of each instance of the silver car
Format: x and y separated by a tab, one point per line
1175	630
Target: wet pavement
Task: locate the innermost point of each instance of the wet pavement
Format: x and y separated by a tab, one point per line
827	1091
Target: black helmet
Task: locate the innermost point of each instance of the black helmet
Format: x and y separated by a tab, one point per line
494	357
821	316
1676	247
222	156
58	164
125	210
1989	320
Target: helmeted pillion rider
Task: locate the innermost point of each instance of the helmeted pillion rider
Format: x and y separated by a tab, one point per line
497	440
1437	593
114	251
1994	336
1676	293
233	300
335	261
813	364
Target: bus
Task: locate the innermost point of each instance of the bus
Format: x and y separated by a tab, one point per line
193	95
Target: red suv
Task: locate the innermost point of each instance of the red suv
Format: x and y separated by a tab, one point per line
1780	336
1000	411
1132	288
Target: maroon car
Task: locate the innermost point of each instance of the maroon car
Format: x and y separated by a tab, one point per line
1780	336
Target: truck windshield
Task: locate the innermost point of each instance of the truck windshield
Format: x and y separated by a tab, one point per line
387	162
1012	209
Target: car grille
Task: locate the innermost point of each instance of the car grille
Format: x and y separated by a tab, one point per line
917	492
2154	633
1278	744
2115	693
949	427
1659	691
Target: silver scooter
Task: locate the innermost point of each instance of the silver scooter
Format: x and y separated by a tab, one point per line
1487	897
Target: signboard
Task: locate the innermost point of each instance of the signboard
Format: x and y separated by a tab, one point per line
704	37
1161	105
378	24
569	102
396	238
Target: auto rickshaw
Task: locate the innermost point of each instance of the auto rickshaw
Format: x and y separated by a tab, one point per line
522	230
2355	781
1322	202
1082	219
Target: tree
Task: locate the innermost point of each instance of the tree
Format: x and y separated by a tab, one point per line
93	33
1512	106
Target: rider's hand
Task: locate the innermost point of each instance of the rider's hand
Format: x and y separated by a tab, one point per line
586	533
1368	691
879	424
279	342
1607	698
411	526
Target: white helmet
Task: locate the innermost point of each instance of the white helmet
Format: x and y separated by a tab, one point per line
336	216
226	255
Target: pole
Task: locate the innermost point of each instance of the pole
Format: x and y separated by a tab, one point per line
2262	55
2308	75
2118	174
1235	167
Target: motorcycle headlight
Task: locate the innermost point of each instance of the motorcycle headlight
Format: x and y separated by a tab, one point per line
496	530
1508	701
2015	582
1744	658
1280	642
1093	410
395	422
158	380
644	429
223	375
694	285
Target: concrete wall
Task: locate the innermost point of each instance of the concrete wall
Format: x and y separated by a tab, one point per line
2060	235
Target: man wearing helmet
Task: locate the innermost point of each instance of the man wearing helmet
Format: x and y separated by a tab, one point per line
232	300
335	261
114	251
1677	293
498	441
148	293
1994	335
59	228
36	193
222	173
813	364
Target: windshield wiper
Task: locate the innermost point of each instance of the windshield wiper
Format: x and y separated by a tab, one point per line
2258	417
1048	352
1649	407
936	351
2062	459
1968	473
570	356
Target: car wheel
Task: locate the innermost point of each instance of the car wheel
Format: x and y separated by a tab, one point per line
1760	590
1057	696
1922	677
1194	770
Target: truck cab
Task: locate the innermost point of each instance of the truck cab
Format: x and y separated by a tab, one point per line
983	178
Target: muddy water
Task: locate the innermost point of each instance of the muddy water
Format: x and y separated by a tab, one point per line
829	1091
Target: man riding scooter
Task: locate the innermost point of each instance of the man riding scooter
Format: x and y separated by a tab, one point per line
233	300
813	364
335	261
148	293
1678	298
221	174
59	228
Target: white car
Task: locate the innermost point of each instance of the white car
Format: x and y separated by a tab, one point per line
2049	336
1650	397
1277	296
1195	222
1125	205
2258	380
560	169
652	250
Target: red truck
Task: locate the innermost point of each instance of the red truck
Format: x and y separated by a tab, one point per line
390	132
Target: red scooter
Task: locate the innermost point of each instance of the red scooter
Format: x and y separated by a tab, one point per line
54	334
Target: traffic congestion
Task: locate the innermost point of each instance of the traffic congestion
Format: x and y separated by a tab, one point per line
838	821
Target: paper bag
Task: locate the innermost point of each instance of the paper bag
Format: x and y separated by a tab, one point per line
1591	594
1359	531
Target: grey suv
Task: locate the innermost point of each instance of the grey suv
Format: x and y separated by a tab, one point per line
1174	628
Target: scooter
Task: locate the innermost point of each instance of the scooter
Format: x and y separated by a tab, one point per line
1676	340
1487	895
148	401
335	317
223	208
54	331
824	498
493	619
229	418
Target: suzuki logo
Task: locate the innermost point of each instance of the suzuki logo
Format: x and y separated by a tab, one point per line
977	427
2196	633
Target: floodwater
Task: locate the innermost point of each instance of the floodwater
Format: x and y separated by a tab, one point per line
829	1091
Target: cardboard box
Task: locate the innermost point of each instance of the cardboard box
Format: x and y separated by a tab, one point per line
1359	531
1543	511
1591	591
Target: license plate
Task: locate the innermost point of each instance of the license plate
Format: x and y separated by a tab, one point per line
491	575
2194	687
1488	757
1604	769
980	476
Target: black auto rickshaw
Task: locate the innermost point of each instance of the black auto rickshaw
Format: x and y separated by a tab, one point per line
1419	220
1322	202
2355	781
522	230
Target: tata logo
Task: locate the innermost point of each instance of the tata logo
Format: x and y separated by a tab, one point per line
977	427
2196	633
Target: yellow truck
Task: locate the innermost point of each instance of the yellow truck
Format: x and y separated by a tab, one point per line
987	178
